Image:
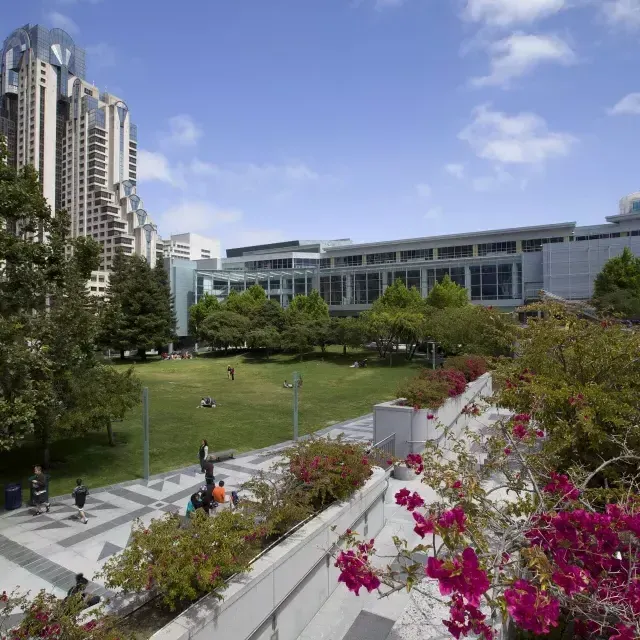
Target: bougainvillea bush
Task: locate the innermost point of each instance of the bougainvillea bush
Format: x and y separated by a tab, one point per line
329	469
47	616
430	389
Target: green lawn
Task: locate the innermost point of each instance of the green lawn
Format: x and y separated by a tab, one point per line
253	411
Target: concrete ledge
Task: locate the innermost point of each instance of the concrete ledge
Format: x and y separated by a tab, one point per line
412	428
290	583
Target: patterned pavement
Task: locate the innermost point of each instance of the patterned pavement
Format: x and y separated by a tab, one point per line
46	551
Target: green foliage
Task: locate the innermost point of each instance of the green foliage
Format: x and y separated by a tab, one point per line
422	392
311	305
267	338
617	286
447	294
329	469
300	333
472	329
199	311
349	332
580	381
183	563
47	616
398	316
223	329
471	366
138	313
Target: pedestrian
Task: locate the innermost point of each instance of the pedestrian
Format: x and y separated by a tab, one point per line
209	476
233	373
80	589
80	494
228	372
39	486
203	454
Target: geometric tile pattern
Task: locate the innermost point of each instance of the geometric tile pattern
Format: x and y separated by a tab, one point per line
48	550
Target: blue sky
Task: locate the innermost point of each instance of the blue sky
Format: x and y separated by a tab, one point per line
372	119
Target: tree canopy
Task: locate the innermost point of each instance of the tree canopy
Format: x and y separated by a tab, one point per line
617	286
446	294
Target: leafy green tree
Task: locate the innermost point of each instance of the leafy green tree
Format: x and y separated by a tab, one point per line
349	332
580	380
617	286
472	329
267	338
224	329
199	311
267	313
312	305
397	316
300	334
139	311
447	293
48	320
307	316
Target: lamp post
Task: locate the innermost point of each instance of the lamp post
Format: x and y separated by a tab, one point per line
296	384
145	429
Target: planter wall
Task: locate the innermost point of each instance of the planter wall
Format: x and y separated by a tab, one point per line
412	428
290	583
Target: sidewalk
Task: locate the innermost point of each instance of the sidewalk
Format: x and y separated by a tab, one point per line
46	551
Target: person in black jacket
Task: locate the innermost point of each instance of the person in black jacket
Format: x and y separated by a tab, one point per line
203	454
80	494
80	589
39	486
209	476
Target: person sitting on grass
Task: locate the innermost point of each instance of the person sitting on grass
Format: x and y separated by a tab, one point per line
208	403
287	385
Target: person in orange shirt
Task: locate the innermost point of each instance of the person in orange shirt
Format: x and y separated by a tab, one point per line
219	494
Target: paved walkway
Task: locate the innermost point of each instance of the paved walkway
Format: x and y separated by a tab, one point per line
46	551
400	616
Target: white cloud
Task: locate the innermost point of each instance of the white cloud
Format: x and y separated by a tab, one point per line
60	21
520	139
629	105
433	214
154	167
492	182
183	132
455	169
624	13
101	55
423	190
506	13
520	53
197	216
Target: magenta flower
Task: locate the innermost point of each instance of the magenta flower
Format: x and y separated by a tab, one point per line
561	484
461	574
454	517
531	609
520	431
424	526
410	500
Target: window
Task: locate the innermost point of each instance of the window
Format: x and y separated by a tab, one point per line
497	247
436	275
325	263
88	92
495	281
460	251
414	255
348	261
381	258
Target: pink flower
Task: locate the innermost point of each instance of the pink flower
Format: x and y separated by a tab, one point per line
540	433
356	572
414	461
465	618
424	526
507	451
461	574
560	484
520	431
531	609
571	579
457	485
430	416
454	517
624	632
410	500
522	417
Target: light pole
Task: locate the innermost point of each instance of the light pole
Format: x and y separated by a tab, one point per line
145	429
296	384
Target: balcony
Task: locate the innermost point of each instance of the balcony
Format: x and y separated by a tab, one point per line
109	209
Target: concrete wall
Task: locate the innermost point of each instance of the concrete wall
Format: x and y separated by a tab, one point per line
290	583
412	428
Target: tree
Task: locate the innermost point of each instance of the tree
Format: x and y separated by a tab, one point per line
312	305
617	287
472	329
307	318
397	316
300	333
267	338
48	320
223	329
139	311
199	311
581	381
349	332
447	293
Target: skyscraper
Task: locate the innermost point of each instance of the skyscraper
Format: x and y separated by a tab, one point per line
82	142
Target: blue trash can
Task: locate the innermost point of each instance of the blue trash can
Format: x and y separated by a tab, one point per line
12	496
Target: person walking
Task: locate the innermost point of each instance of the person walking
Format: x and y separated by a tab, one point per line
233	373
39	486
203	453
228	372
80	494
209	476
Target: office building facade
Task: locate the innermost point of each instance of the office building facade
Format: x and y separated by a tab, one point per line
503	268
191	246
81	141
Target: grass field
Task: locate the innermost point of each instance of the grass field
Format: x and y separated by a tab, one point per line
253	411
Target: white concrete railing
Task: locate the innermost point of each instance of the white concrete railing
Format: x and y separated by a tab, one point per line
413	428
287	585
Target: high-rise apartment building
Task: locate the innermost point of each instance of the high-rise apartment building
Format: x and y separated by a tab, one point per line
82	142
191	246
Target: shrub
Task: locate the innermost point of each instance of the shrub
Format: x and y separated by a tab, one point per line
422	393
471	366
455	380
181	562
329	469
